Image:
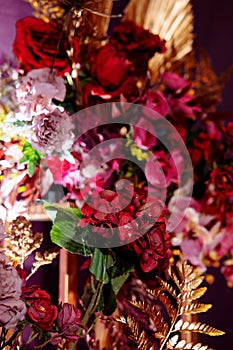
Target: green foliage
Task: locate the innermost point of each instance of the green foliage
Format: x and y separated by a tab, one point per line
64	230
31	156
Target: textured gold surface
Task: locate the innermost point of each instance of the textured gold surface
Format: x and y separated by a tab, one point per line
172	20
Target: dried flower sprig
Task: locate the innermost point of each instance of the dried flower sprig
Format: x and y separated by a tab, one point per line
171	301
43	259
21	241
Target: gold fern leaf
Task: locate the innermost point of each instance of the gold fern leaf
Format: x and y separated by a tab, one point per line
194	308
194	294
167	286
138	336
175	302
172	20
198	327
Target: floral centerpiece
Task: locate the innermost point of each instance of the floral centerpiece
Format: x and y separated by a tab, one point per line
138	153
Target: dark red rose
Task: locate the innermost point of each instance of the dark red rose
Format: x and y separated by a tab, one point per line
39	308
153	248
138	43
69	320
110	68
222	179
36	45
113	76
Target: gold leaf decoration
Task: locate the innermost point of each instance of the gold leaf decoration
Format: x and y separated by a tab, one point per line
21	241
172	20
169	303
138	336
194	308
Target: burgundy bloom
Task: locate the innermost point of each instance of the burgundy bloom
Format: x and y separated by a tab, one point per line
222	179
69	320
110	68
153	248
113	76
35	45
137	43
39	308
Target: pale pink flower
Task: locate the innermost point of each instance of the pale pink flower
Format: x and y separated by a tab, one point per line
12	308
53	132
36	91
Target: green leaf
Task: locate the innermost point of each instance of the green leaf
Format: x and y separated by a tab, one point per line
118	282
64	231
31	168
31	156
100	264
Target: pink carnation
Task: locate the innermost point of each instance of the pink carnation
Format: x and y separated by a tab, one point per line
12	309
52	132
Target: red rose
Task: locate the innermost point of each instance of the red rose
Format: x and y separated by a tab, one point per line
36	45
113	76
110	68
222	179
39	308
137	43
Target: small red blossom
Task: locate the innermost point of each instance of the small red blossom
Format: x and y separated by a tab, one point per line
222	179
39	308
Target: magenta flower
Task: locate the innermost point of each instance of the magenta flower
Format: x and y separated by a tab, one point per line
69	319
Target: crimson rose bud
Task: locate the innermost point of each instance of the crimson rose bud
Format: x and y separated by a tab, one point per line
222	179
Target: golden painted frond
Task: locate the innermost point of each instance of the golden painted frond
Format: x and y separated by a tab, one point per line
171	301
194	294
138	336
194	308
185	326
175	344
172	20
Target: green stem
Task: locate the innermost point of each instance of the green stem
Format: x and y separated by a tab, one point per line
93	303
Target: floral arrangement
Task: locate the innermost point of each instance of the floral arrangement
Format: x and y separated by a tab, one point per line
141	157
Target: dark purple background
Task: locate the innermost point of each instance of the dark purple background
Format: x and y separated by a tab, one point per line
214	31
